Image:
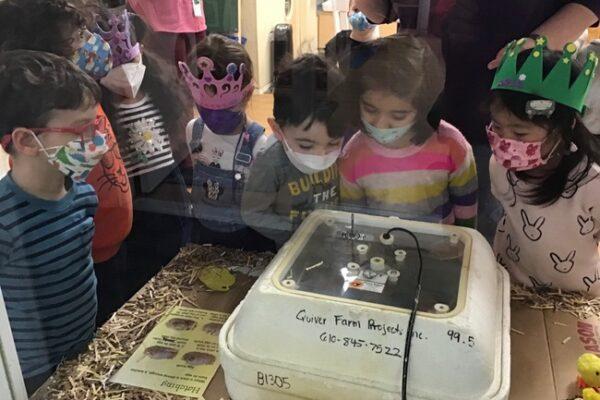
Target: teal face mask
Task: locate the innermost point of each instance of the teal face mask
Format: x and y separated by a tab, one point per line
386	136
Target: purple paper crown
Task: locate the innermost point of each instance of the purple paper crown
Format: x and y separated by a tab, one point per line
119	38
211	93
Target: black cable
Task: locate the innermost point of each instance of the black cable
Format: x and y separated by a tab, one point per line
413	313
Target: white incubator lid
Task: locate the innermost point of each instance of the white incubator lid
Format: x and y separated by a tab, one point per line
334	305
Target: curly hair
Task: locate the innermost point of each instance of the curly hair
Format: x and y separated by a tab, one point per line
33	84
42	25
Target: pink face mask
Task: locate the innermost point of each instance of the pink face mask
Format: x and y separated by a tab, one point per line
516	155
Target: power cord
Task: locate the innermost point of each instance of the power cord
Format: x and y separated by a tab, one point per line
413	314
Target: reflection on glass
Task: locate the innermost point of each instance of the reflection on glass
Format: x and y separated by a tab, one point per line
351	261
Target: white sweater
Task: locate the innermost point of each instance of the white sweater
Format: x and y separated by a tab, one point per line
549	246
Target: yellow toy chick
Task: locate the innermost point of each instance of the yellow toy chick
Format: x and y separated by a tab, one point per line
588	366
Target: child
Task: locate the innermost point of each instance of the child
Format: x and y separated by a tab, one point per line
223	141
58	27
400	164
544	170
146	113
50	129
297	173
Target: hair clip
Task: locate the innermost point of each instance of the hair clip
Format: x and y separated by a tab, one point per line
545	108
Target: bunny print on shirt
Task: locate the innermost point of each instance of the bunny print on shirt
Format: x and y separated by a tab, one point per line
554	245
533	231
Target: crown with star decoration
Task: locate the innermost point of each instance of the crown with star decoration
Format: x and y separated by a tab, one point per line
556	86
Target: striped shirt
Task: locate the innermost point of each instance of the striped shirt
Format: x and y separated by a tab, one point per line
46	273
146	146
433	182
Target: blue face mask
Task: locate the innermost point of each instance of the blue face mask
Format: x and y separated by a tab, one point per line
386	136
222	122
359	22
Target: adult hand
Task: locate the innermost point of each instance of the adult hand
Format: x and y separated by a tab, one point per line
567	25
498	59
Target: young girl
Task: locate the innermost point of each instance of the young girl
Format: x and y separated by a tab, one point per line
399	163
223	141
147	116
544	170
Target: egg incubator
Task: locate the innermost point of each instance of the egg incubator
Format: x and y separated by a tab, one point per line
329	318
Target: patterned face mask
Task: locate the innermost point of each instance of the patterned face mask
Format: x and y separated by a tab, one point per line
94	56
516	155
77	158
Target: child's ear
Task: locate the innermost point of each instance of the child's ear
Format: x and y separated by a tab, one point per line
275	128
247	98
23	142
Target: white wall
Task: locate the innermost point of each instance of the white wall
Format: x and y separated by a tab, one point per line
258	19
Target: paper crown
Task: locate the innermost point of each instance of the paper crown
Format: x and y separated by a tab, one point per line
119	39
211	93
556	85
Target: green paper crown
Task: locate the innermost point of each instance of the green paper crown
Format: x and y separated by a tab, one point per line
530	77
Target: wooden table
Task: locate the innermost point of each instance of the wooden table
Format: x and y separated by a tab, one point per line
87	377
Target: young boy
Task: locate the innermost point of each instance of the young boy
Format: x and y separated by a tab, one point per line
298	172
58	27
49	127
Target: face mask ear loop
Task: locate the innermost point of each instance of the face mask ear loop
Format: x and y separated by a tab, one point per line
552	152
42	148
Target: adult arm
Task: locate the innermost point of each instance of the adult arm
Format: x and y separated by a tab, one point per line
567	25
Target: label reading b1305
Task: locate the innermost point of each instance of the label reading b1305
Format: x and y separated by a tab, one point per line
276	381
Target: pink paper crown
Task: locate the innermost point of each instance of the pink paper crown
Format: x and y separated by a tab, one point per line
119	38
214	94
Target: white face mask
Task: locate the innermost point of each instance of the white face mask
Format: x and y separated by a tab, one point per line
310	163
125	80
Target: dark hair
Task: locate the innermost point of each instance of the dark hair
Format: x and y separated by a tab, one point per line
161	83
222	51
43	25
568	174
33	84
404	66
307	89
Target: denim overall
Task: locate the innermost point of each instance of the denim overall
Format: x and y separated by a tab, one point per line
217	193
